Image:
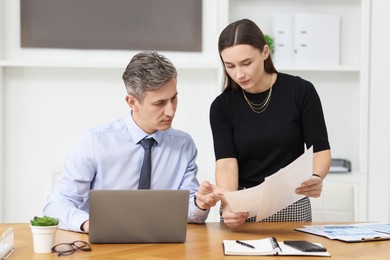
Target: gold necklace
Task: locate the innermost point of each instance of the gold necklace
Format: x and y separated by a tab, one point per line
259	108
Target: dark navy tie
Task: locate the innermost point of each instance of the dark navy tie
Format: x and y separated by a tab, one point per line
146	170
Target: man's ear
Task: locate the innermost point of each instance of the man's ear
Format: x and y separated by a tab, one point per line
132	102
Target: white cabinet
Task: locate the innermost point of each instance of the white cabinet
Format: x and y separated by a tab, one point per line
343	88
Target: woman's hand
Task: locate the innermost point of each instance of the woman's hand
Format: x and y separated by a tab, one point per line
311	188
232	219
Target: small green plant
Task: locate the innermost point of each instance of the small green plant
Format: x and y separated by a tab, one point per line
44	221
270	42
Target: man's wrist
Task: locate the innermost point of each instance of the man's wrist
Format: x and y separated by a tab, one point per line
85	227
196	204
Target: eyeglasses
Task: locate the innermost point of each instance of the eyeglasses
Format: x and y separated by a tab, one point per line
70	248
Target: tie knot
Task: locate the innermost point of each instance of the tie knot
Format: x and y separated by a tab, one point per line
147	143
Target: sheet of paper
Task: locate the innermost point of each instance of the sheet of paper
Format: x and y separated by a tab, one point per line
351	233
383	227
276	192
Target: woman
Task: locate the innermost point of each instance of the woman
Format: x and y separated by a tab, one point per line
262	122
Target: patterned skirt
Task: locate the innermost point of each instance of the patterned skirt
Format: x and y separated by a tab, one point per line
299	211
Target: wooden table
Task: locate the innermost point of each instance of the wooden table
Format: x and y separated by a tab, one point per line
204	241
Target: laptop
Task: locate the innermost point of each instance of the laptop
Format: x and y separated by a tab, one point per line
138	216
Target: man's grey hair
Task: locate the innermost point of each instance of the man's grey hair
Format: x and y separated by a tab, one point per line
147	71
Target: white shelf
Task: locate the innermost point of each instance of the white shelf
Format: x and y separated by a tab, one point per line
340	68
261	12
179	65
349	177
96	65
49	64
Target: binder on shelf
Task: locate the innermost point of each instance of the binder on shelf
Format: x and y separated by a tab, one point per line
317	39
283	33
340	166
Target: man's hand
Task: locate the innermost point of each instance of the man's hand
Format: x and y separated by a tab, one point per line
85	226
208	195
311	188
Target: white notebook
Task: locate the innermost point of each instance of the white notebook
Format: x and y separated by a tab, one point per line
265	246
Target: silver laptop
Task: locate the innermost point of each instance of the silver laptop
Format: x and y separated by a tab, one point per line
138	216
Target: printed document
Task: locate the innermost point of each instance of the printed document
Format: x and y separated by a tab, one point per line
276	192
350	232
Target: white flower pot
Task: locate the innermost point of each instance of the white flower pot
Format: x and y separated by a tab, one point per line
43	238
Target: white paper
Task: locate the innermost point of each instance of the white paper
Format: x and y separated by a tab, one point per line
276	192
350	233
383	227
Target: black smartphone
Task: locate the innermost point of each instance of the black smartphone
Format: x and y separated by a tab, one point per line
305	246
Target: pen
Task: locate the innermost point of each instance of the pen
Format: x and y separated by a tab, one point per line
276	244
244	244
372	238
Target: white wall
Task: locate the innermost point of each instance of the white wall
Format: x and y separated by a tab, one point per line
52	96
1	112
1	147
45	114
45	110
379	128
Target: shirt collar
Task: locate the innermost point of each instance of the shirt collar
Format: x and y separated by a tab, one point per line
138	134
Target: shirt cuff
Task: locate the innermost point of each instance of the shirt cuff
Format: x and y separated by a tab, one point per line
195	214
197	204
77	220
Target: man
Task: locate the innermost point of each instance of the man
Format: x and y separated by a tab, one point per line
111	156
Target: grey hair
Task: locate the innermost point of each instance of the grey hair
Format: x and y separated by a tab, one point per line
147	71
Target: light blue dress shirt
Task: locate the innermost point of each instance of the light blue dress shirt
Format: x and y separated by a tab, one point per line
109	157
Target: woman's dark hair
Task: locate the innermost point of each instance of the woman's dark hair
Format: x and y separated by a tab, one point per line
242	32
